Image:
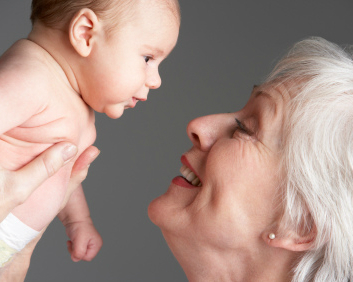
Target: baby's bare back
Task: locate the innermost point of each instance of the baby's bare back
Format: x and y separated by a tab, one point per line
54	112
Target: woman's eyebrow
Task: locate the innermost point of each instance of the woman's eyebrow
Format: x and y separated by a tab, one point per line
261	92
269	97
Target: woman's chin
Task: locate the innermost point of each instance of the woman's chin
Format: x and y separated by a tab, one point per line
171	206
154	211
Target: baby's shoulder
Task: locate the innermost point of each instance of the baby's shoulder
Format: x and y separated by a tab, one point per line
24	67
29	79
25	52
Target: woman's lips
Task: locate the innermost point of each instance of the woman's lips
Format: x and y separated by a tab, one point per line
181	181
186	163
188	179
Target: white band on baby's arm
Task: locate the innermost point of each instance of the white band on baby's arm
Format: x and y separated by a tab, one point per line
15	233
14	236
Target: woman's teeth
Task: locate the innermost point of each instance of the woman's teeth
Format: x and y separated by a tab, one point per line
190	176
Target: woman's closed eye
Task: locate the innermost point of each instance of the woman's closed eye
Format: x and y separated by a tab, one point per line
242	128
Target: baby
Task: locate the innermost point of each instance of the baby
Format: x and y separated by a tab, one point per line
81	56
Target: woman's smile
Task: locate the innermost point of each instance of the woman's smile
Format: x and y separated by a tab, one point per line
189	175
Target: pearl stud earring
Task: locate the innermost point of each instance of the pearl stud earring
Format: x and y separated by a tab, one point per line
272	236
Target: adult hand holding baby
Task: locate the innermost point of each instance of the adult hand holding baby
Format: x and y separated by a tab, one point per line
18	185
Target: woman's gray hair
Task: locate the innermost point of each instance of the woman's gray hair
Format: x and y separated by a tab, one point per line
318	155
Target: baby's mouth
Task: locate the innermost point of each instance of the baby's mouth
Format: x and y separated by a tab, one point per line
190	176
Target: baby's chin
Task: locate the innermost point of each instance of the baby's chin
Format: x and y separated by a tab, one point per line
114	112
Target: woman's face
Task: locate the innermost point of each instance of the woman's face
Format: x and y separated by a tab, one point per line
236	158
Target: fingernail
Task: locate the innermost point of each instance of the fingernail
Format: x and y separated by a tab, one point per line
69	152
97	155
94	158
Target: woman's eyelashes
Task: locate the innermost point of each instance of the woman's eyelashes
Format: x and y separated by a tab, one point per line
242	128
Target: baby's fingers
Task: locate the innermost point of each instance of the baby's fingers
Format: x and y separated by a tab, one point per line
77	251
92	250
69	246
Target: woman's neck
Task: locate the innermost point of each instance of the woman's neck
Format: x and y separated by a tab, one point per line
260	263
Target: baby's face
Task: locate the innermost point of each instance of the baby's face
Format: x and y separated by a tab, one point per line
125	67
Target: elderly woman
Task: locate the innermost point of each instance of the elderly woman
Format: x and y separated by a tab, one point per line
267	192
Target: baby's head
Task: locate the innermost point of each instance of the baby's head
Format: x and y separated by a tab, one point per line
58	13
117	46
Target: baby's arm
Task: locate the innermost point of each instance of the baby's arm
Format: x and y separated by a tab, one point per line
20	95
85	242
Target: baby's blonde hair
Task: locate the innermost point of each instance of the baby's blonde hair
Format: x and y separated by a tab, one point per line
58	13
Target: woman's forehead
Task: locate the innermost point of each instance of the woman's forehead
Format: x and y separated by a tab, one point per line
275	90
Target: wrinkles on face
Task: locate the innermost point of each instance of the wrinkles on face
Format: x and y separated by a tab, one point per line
237	157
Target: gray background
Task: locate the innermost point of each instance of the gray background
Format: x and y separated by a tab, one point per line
225	46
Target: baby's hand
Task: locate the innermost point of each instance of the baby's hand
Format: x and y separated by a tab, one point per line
85	241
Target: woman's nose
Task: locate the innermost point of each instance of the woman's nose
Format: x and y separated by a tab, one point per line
153	80
204	131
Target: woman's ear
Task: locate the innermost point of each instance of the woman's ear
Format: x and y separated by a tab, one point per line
291	241
83	31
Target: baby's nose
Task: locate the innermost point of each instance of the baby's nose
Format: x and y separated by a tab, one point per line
154	81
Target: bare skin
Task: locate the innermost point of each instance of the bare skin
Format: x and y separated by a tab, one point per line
64	76
17	269
219	231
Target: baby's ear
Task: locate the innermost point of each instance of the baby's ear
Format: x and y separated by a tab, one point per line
291	240
84	28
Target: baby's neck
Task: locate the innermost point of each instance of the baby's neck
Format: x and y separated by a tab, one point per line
55	43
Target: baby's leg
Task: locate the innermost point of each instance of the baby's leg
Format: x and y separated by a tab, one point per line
27	220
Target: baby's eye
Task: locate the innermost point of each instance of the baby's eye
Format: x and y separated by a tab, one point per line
147	58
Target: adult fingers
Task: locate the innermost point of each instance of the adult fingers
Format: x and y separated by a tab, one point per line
80	168
79	171
25	180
